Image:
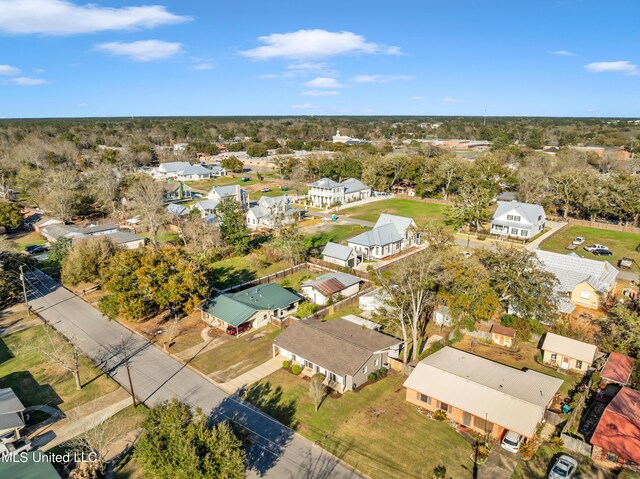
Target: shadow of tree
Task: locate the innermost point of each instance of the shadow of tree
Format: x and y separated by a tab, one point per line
29	391
222	277
5	352
269	399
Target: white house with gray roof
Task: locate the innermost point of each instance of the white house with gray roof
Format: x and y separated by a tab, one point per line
217	193
181	171
325	192
390	235
581	281
330	286
271	212
339	254
518	220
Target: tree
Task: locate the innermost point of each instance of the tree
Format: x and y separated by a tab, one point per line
61	194
317	390
58	351
621	330
10	284
235	232
521	283
289	241
257	150
233	164
106	183
59	251
471	206
200	236
93	444
145	198
197	451
87	260
10	215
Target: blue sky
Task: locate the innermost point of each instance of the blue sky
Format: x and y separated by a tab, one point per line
455	57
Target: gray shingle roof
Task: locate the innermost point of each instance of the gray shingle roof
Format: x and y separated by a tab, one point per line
224	191
195	170
338	251
352	185
177	210
571	270
207	205
270	202
259	212
527	211
9	402
122	237
175	166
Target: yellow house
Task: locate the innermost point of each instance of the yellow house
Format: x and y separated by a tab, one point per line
567	353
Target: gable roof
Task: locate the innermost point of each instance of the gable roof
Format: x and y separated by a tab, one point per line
325	183
177	210
271	201
123	237
337	251
207	205
401	223
569	347
331	283
9	402
258	211
572	270
92	229
380	236
618	430
340	346
513	398
224	191
352	185
59	230
175	166
618	368
194	170
527	211
503	330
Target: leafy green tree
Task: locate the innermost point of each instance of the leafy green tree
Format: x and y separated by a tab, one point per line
289	240
257	150
621	330
59	251
177	443
87	260
232	225
233	164
10	215
471	206
236	147
10	285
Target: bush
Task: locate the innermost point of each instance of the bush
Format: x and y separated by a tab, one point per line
439	472
296	369
528	450
374	375
595	380
306	309
556	443
286	364
480	453
440	415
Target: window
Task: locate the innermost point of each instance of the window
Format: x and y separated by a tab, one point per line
375	363
612	457
514	231
444	406
554	356
516	218
578	364
308	364
585	294
510	217
524	233
424	398
364	370
539	217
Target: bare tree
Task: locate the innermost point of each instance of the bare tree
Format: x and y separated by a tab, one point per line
58	351
145	198
61	194
106	181
93	446
317	390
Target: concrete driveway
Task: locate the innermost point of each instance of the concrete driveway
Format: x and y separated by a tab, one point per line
500	465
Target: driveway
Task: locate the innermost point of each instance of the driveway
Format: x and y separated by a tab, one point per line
500	465
276	451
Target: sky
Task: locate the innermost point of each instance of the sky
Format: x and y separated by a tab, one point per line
68	58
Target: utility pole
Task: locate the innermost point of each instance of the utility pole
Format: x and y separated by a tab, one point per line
24	290
126	365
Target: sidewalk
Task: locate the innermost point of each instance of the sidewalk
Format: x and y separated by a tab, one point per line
253	376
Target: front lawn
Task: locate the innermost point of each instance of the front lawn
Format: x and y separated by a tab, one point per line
239	269
375	430
36	380
422	212
333	232
238	355
620	244
541	463
23	241
164	236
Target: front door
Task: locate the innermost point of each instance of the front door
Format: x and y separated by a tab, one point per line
565	362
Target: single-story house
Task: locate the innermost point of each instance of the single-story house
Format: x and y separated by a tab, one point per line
567	353
44	222
256	305
503	335
616	440
217	193
127	240
331	286
390	235
343	352
177	210
176	190
271	212
206	207
326	193
442	317
485	396
121	237
618	368
584	282
11	416
99	230
54	232
194	173
217	170
518	220
339	254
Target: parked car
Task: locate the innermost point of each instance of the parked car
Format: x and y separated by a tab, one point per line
578	240
265	190
284	188
232	330
625	263
35	249
591	247
245	178
564	468
512	441
601	252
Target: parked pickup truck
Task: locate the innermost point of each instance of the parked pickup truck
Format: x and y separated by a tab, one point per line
625	263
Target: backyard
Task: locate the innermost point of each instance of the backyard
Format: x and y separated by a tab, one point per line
422	212
236	356
37	381
374	430
620	244
323	233
239	269
541	463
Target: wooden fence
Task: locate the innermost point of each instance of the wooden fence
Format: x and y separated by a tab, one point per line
266	279
603	225
336	268
340	305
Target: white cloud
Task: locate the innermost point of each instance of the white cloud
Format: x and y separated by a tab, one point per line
320	93
450	101
310	44
61	17
202	66
306	106
563	53
9	70
324	82
417	98
83	104
143	50
622	66
28	81
380	78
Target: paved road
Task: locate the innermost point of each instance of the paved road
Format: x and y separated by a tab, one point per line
277	452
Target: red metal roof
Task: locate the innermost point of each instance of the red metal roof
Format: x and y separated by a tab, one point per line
618	368
503	330
619	428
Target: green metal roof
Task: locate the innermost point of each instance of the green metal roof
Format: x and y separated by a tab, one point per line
236	308
29	469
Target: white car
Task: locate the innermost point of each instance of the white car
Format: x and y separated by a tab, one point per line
579	240
512	441
563	468
591	247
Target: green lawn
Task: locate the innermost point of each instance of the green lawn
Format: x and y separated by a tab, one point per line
374	430
540	464
37	381
353	309
420	211
238	355
164	236
293	281
620	244
238	269
336	233
32	238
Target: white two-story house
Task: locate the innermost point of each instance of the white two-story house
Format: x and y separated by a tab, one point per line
325	192
390	235
271	213
217	193
518	220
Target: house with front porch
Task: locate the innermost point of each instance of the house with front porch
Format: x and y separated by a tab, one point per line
256	305
11	416
176	190
343	352
271	213
568	353
485	396
517	220
326	193
390	235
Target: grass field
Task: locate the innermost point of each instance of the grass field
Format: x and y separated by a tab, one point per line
540	464
164	236
293	281
374	430
421	212
32	238
232	271
620	244
335	233
238	355
38	381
